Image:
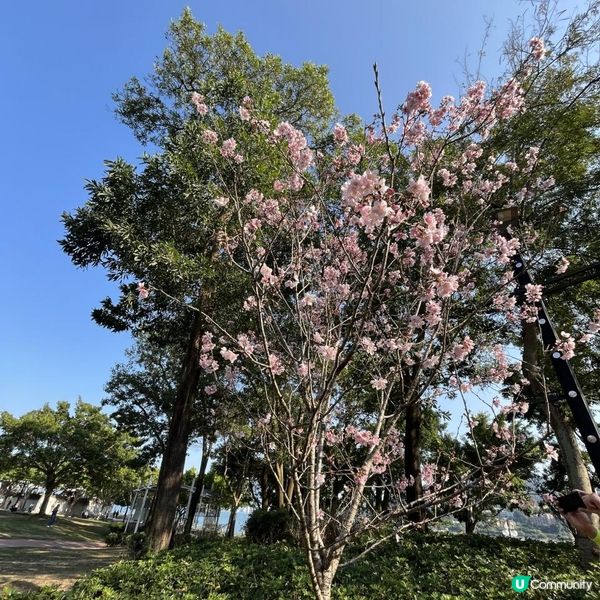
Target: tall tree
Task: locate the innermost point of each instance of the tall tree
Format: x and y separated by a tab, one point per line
561	129
158	226
378	259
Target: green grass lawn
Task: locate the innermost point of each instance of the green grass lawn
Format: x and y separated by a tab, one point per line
28	569
16	525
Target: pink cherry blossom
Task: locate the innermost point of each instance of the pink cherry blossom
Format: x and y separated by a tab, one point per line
355	153
379	383
143	291
563	265
538	50
327	352
207	343
533	292
340	135
198	102
419	190
208	364
565	345
418	100
551	452
228	355
300	154
267	275
228	148
210	137
244	113
594	324
359	187
302	369
245	344
463	349
276	365
446	285
221	201
448	179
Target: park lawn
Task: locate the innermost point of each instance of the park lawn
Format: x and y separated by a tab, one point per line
28	569
18	525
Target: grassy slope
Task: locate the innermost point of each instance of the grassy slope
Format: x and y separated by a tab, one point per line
16	525
32	568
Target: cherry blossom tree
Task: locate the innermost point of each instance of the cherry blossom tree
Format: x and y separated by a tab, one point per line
379	280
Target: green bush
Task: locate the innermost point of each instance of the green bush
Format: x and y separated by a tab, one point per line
420	567
115	535
269	526
113	539
136	544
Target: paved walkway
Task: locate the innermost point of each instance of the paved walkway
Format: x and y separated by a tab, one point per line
55	544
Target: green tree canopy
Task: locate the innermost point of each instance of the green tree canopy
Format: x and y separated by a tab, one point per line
64	448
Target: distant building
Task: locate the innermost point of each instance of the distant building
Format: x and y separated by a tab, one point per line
28	497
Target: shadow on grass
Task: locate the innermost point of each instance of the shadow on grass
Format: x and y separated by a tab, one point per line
31	568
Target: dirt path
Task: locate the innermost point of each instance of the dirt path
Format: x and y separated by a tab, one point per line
54	544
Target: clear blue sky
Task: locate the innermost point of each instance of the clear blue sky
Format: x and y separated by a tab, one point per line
61	61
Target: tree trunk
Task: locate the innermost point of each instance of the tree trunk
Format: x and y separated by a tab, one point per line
577	472
232	518
323	573
49	488
289	494
265	488
470	522
280	485
412	457
325	583
198	485
160	527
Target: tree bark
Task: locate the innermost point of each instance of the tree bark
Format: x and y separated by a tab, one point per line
231	522
198	485
412	457
160	527
577	472
470	522
289	494
324	570
49	488
280	485
265	488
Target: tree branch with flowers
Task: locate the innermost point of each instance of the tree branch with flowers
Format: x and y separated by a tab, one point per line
372	266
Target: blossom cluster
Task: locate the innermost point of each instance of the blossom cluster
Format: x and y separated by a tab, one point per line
363	279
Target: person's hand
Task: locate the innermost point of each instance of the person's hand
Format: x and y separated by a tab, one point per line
581	522
591	501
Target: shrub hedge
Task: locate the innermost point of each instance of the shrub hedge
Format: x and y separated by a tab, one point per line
420	567
269	526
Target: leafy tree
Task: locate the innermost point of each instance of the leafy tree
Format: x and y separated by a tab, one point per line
513	490
141	393
563	123
157	225
78	450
